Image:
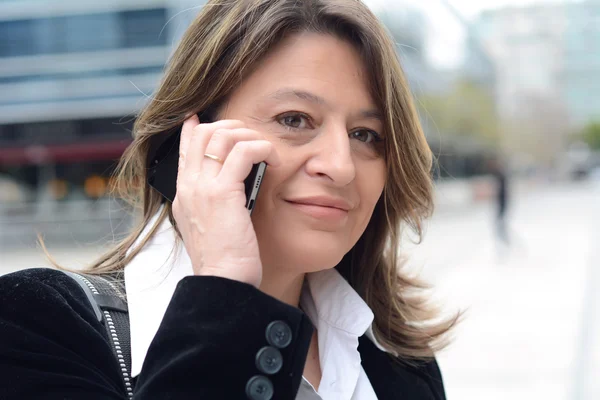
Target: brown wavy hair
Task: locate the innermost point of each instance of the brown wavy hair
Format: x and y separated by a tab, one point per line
223	45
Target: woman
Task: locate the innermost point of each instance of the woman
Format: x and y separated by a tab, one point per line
302	300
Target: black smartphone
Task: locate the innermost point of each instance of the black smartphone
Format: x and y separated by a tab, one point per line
163	163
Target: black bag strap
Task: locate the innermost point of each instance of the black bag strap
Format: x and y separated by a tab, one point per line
107	296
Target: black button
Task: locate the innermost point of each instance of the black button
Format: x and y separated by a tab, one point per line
269	360
259	388
279	334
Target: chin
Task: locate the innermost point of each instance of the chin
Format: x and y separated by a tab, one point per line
310	252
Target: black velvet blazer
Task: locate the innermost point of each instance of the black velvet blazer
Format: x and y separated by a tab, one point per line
207	347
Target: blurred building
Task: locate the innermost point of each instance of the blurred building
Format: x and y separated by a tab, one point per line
527	50
72	75
580	77
548	56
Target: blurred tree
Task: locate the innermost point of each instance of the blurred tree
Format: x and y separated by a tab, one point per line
591	134
466	112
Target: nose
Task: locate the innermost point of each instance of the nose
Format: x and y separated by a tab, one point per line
332	157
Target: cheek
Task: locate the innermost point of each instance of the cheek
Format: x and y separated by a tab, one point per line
371	182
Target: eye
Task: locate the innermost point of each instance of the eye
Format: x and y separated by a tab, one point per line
294	120
366	136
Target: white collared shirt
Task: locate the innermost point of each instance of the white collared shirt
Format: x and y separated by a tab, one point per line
338	313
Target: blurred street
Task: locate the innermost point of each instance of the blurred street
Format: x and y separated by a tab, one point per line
532	323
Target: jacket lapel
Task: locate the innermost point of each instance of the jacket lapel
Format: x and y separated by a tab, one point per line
392	380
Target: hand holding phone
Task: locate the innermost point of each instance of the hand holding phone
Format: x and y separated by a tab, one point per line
210	204
163	164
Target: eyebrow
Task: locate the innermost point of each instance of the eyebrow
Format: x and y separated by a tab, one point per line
287	93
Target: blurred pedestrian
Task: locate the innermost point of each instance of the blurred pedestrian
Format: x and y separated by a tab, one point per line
323	310
498	171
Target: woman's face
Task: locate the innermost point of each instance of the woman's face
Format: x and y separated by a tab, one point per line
310	98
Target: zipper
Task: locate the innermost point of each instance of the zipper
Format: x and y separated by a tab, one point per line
113	337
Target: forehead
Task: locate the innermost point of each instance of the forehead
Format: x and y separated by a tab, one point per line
321	64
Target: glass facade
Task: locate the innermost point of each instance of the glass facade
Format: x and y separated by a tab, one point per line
581	77
83	33
72	74
548	50
84	60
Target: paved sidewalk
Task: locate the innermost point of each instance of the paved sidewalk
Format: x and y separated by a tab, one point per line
532	323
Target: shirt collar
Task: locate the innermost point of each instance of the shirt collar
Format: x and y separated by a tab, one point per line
152	276
328	297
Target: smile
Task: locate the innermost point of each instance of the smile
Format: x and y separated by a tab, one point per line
329	213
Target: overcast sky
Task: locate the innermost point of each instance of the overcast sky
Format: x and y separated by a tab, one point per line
445	38
470	8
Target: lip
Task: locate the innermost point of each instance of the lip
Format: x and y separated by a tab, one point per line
325	209
321	213
323	201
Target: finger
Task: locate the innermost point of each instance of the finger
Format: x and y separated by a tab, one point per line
200	139
243	155
187	131
221	144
